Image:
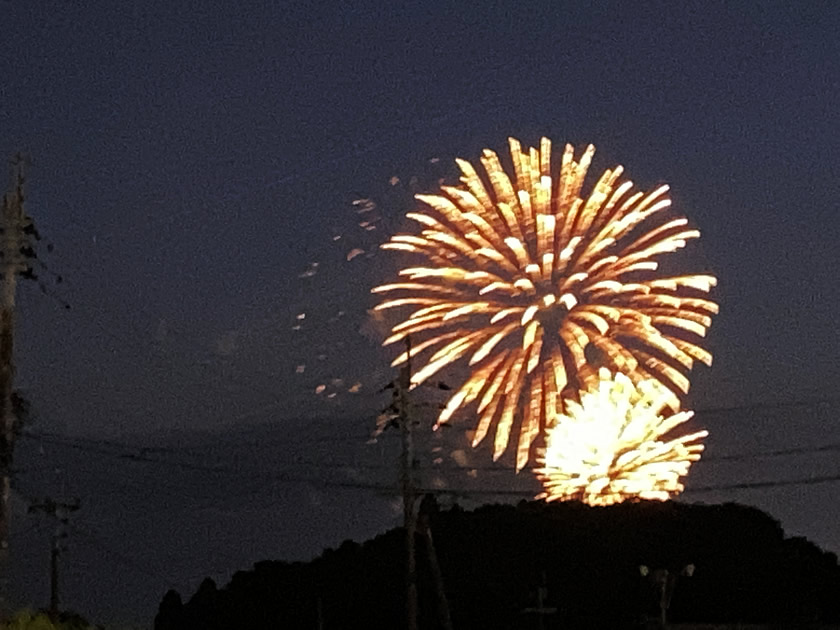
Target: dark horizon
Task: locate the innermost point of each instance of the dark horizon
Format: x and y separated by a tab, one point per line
260	476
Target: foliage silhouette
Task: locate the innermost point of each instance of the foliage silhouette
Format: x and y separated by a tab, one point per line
40	620
494	559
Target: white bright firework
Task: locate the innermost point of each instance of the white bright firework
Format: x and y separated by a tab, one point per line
617	444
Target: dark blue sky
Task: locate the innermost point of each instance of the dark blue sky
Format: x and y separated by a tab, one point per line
190	161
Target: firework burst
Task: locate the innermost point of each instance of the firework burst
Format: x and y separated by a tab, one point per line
614	445
536	287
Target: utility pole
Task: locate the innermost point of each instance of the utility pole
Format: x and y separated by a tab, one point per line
407	483
428	507
60	510
15	248
397	414
541	610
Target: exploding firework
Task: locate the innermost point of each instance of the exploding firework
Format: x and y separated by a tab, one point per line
615	445
539	287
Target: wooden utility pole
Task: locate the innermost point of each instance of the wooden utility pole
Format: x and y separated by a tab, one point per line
428	507
398	414
15	249
60	510
408	492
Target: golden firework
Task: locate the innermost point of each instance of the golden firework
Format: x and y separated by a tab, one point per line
615	445
538	287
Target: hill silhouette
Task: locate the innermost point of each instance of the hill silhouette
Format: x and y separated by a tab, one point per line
494	559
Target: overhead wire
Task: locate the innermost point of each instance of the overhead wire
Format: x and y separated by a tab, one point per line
314	470
815	402
759	485
366	437
141	454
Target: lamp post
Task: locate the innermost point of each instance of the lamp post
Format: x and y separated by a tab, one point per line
666	582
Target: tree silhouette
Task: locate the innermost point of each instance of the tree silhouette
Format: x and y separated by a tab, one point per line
495	558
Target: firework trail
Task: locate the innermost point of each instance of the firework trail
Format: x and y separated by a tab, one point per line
537	287
615	445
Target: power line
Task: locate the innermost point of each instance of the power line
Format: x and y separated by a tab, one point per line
135	452
250	474
467	492
801	450
129	452
757	485
141	454
366	436
392	488
160	455
782	404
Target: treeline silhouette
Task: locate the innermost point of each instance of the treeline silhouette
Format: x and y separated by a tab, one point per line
494	559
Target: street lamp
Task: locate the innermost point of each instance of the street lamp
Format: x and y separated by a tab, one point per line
666	582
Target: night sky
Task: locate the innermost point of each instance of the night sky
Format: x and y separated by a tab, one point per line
195	165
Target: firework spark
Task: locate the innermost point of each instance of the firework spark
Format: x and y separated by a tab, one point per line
614	445
538	287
